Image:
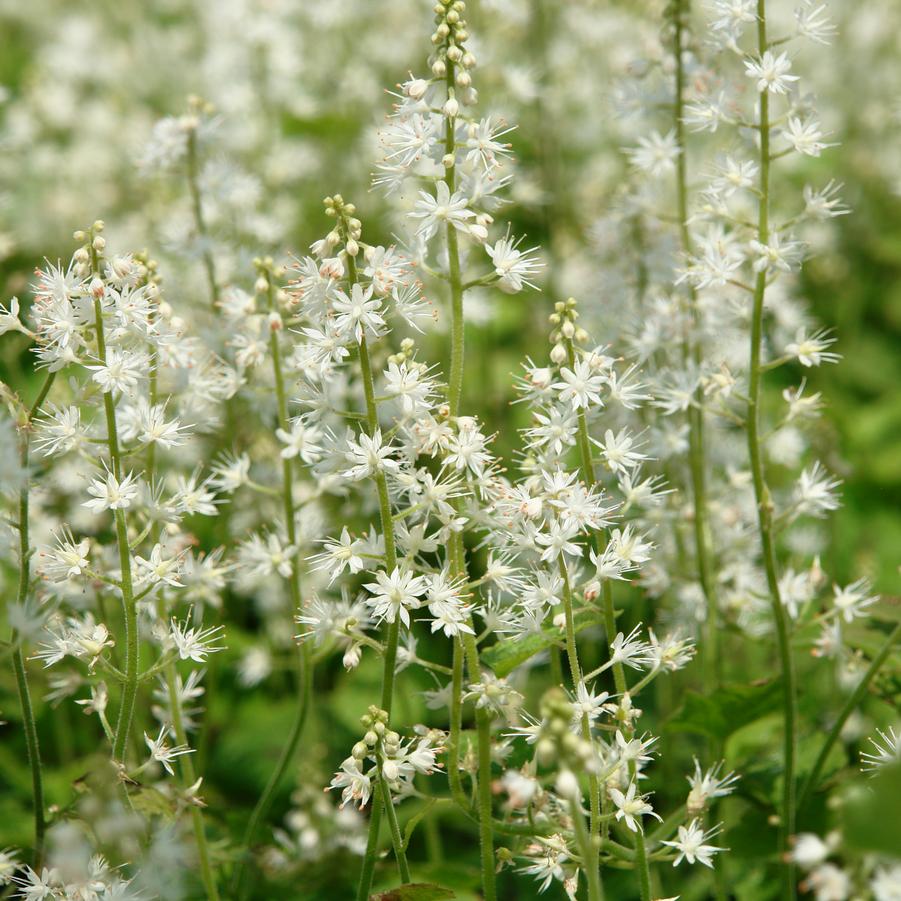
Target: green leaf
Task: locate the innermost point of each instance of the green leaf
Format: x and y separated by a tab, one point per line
505	656
727	709
415	820
414	891
870	813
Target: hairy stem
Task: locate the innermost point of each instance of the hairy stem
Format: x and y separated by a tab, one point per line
850	705
762	492
206	253
693	354
304	663
29	724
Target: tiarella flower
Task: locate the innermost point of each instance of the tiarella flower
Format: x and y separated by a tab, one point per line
816	492
121	371
358	314
851	602
339	554
812	350
580	386
111	493
886	750
301	441
805	136
434	211
369	456
164	753
514	268
355	785
655	154
771	72
692	844
630	807
395	594
195	643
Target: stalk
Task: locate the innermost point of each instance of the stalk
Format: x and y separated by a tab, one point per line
692	351
456	549
762	493
304	664
588	850
396	839
591	852
209	264
29	724
132	650
390	662
852	703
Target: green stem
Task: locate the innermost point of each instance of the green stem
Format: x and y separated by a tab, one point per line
588	850
592	849
188	778
396	839
486	835
304	663
693	352
209	264
762	493
29	724
641	867
132	650
852	703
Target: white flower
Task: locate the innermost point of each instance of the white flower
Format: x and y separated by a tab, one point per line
195	643
157	569
355	784
771	72
395	594
513	267
805	136
776	254
161	752
9	318
887	752
692	844
631	807
851	601
358	312
618	451
369	456
340	554
111	494
656	154
301	441
440	209
811	350
121	371
580	386
816	492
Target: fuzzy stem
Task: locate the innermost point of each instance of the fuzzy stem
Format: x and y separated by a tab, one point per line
304	663
390	662
588	850
132	649
396	839
586	469
693	352
762	492
457	553
209	264
188	778
29	724
594	789
852	703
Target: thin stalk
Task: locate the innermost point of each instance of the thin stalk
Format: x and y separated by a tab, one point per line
641	867
209	264
390	660
586	469
762	492
188	778
594	789
304	664
396	838
456	549
29	724
588	850
693	352
850	705
132	649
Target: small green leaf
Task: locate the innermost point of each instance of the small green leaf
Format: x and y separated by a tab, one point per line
505	656
414	891
727	709
415	820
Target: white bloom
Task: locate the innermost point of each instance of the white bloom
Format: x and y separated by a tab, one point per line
513	267
111	494
395	594
301	441
692	844
440	209
631	807
656	154
771	72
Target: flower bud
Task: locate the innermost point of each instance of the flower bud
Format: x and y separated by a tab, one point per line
567	786
558	354
97	287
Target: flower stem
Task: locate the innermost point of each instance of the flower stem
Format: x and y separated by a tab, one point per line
762	493
396	839
29	724
592	850
209	264
693	353
304	663
854	699
132	649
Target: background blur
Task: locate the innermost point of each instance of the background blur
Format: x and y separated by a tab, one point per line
299	88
